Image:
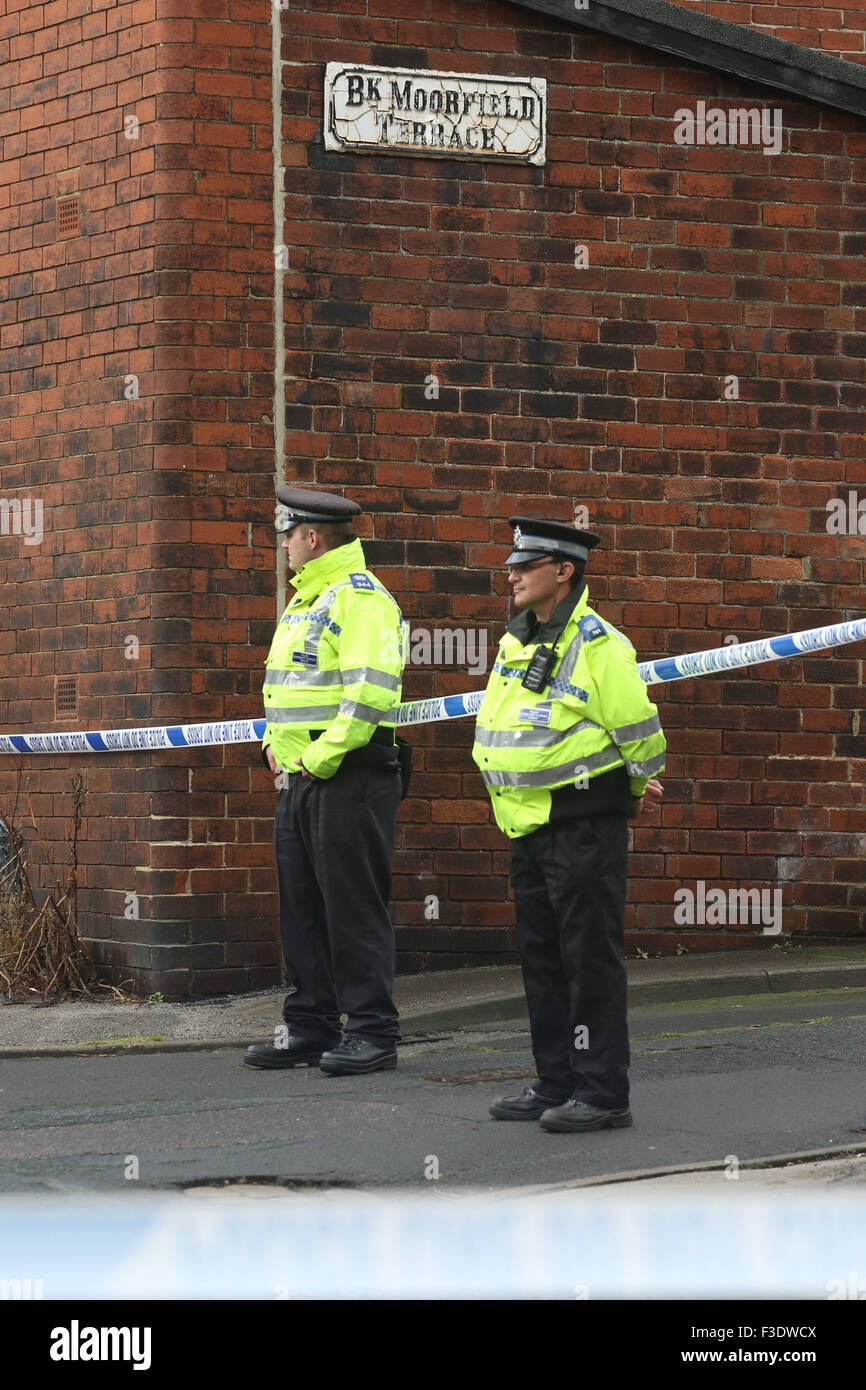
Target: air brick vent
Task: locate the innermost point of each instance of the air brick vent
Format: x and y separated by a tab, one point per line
66	696
68	217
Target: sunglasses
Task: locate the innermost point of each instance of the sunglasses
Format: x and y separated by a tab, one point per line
533	564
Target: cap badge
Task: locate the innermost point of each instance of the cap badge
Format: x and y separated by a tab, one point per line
518	535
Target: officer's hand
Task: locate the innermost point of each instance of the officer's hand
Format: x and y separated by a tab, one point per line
304	773
655	791
640	805
272	762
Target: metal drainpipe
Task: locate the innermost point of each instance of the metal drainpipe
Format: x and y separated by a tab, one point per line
279	329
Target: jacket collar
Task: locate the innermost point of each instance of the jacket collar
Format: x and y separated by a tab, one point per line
326	569
526	627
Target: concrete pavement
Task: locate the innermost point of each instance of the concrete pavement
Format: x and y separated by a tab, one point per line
433	1002
739	1077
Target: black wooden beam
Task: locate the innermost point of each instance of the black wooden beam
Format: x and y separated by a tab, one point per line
716	44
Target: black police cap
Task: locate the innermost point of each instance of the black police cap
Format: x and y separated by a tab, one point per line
535	537
296	504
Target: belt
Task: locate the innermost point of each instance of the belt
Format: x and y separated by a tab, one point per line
381	751
384	736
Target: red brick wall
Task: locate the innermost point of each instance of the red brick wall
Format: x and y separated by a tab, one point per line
827	27
602	387
158	511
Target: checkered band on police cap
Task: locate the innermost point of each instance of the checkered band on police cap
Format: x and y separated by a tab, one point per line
535	537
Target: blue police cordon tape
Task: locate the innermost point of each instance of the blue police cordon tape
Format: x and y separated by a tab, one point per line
660	671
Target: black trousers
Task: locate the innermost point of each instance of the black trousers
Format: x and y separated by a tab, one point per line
569	883
333	844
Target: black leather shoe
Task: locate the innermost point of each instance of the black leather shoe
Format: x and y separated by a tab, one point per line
297	1052
529	1105
578	1115
356	1054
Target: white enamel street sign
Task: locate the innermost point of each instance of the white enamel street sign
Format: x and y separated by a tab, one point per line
456	114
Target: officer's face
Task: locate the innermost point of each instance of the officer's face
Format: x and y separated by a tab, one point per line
534	583
299	546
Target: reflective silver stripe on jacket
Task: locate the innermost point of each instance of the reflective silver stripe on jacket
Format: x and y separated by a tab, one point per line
355	710
320	610
301	714
302	676
369	675
626	732
565	772
565	669
647	768
317	615
529	738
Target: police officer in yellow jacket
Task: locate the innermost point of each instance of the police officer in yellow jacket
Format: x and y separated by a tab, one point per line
331	689
567	741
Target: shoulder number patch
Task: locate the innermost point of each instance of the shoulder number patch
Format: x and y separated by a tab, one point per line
591	628
361	581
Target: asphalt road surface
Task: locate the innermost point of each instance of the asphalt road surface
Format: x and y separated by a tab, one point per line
745	1077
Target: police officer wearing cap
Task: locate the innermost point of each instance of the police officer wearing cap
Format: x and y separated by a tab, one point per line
331	686
567	741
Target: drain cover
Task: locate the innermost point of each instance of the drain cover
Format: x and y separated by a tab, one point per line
267	1180
466	1078
425	1038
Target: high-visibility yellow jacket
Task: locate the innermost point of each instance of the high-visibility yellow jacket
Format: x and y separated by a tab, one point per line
593	716
335	663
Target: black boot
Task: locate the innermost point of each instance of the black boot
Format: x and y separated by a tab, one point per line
577	1115
291	1050
356	1054
529	1105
